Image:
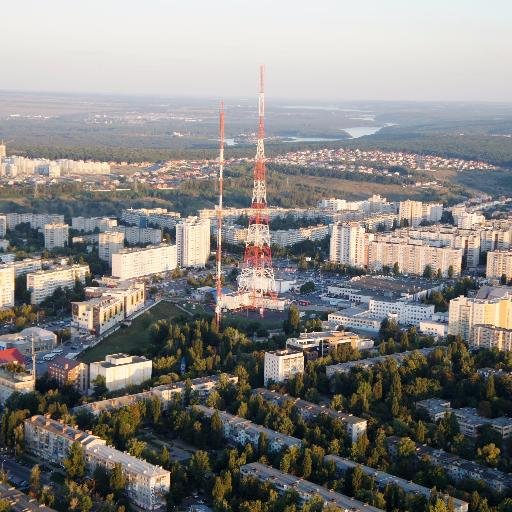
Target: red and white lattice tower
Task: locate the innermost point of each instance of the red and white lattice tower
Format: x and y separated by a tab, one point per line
257	277
218	305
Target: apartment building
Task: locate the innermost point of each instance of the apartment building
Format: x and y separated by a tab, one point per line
309	411
487	336
36	220
495	238
470	422
289	237
109	242
349	244
415	212
24	266
56	235
241	431
43	283
499	263
144	217
458	468
468	220
492	306
369	362
284	482
67	371
281	365
41	339
91	224
413	257
98	315
135	235
6	286
193	242
143	261
3	226
234	235
383	479
166	393
20	502
121	371
50	440
15	382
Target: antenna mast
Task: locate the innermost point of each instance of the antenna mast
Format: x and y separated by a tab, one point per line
218	305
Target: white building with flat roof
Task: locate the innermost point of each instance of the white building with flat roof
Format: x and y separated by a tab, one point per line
281	365
6	286
349	244
121	371
193	242
43	283
109	242
499	263
90	224
56	235
135	262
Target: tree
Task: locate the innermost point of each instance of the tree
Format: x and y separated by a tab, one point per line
396	268
292	324
135	447
490	391
117	480
100	387
428	273
199	466
489	454
35	481
450	271
5	505
74	463
406	447
307	287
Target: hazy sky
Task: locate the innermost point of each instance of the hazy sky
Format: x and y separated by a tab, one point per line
316	49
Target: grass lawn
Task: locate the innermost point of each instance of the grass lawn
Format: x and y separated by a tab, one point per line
135	337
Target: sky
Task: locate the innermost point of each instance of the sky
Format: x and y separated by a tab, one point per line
322	50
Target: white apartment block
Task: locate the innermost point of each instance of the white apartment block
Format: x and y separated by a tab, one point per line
121	371
83	167
193	242
491	307
499	263
487	336
3	226
98	315
36	220
6	286
56	235
415	212
288	237
25	266
109	242
43	283
281	365
135	235
495	238
233	234
51	440
349	244
468	220
90	224
135	262
144	217
413	258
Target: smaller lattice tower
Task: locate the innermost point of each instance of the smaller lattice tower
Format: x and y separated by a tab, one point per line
218	304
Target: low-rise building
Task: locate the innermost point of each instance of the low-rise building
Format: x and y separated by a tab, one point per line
383	479
41	339
284	482
20	502
67	371
310	411
121	371
14	382
281	365
50	440
43	283
458	468
241	431
399	358
98	315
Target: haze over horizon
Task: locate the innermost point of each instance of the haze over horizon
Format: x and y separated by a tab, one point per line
331	51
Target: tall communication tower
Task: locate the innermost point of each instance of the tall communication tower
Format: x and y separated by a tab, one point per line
257	276
218	305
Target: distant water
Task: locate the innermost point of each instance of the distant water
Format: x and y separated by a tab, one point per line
360	131
311	139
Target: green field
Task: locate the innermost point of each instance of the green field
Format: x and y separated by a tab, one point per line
134	338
